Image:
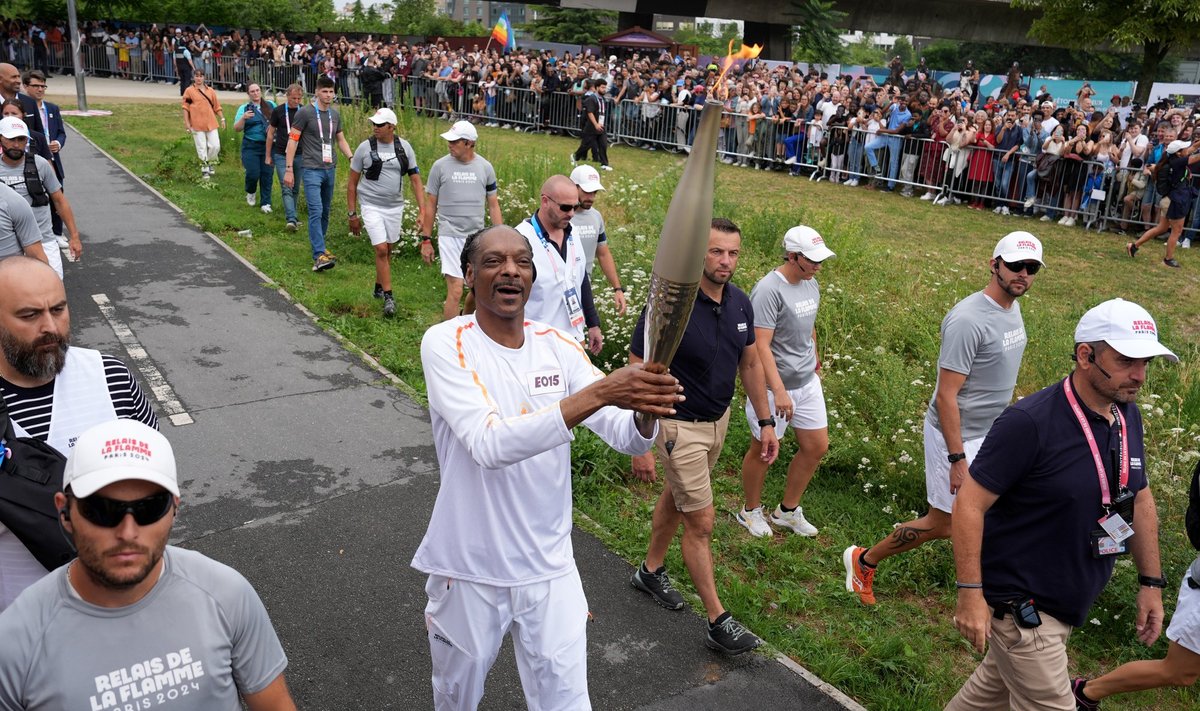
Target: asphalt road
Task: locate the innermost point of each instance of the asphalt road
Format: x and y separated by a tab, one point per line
306	470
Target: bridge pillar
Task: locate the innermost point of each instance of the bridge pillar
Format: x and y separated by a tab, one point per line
775	39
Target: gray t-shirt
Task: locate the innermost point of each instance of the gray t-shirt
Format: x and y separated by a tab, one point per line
18	225
790	310
985	343
14	177
588	228
313	135
388	191
461	190
196	639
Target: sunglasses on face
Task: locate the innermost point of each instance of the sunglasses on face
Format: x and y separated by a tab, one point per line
109	513
1029	268
565	208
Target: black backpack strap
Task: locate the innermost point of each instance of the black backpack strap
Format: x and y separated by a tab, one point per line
38	195
401	156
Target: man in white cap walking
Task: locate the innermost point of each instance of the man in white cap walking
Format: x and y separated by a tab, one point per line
785	313
1057	493
587	224
33	178
132	619
460	190
376	186
983	340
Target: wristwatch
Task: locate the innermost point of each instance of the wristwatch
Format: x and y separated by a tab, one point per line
1148	582
956	457
767	422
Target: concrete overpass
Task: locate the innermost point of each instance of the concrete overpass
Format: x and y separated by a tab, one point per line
767	22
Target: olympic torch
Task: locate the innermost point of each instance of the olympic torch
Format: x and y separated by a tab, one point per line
679	260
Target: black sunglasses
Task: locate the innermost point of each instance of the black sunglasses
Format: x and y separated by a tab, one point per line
564	208
109	513
1029	268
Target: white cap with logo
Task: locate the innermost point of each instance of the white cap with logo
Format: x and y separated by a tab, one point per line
1019	246
586	177
461	130
807	241
1126	327
13	127
382	116
119	450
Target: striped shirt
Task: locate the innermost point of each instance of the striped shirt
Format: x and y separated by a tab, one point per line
30	407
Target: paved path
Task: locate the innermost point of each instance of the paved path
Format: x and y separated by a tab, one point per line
305	470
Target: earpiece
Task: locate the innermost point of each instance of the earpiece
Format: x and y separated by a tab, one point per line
65	513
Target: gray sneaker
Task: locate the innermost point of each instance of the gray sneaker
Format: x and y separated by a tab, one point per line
389	305
728	636
658	586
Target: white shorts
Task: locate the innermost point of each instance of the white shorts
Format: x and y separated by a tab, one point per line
382	223
1184	629
468	621
937	468
450	252
53	255
808	410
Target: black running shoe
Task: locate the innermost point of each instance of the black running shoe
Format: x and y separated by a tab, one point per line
658	586
1171	263
1082	702
728	636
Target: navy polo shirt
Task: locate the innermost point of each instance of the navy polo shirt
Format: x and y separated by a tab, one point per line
1037	535
706	363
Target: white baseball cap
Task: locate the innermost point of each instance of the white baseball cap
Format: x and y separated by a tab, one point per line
461	130
1125	326
13	127
586	177
1172	148
1019	246
807	241
382	116
120	450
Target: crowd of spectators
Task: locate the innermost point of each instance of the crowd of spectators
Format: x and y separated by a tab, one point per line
1022	151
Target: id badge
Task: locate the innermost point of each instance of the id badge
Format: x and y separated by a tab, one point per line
1104	545
574	307
1116	527
326	152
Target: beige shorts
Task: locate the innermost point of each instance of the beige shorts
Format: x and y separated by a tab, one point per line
688	461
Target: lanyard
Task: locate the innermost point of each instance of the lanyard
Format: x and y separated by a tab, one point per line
320	131
551	252
1105	494
287	117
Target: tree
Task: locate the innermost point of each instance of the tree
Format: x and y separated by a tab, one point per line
556	24
865	52
815	34
904	49
708	42
358	13
1154	26
993	58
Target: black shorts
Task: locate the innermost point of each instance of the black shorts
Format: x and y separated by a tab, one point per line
1181	202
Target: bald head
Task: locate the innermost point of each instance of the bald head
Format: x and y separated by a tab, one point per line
10	80
35	325
557	191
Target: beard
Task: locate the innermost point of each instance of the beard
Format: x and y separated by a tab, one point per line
15	153
92	562
34	360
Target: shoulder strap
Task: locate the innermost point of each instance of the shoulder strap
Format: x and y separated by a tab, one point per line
38	195
401	157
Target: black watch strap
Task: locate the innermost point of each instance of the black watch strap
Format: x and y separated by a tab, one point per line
1148	582
956	457
767	422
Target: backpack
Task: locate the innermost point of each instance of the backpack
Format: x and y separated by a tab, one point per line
372	171
1191	519
38	195
30	475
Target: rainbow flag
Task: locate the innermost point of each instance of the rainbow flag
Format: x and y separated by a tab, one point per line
503	33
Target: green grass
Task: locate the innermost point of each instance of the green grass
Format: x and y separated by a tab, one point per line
901	265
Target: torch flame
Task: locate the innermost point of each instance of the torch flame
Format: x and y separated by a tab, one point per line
744	53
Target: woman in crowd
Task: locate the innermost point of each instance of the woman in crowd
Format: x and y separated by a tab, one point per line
1076	151
979	171
251	120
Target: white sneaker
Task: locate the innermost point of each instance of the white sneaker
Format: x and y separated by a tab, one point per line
851	183
250	199
266	209
1071	222
997	210
790	161
928	196
754	521
794	520
606	167
64	244
1063	220
1185	243
572	159
1029	203
941	201
1005	211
